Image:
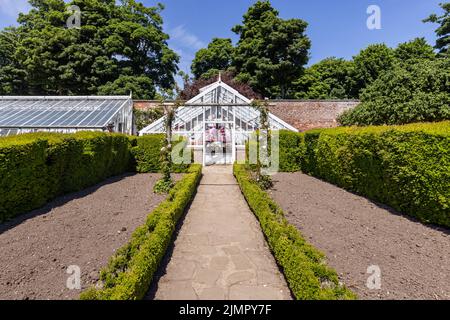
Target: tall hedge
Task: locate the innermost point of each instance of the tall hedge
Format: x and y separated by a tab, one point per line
35	168
406	167
147	154
290	148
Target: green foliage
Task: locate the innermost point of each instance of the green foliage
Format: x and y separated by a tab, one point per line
35	168
147	153
130	271
271	51
370	63
291	150
143	118
119	47
303	265
163	186
330	78
216	57
405	167
407	93
443	31
334	78
414	51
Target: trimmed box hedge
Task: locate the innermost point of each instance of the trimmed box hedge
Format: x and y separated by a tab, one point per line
406	167
35	168
290	148
147	154
130	271
307	275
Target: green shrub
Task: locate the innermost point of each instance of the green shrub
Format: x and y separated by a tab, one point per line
130	271
418	91
290	148
303	266
406	167
35	168
291	144
147	154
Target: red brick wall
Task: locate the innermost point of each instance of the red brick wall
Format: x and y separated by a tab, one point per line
305	115
301	114
145	104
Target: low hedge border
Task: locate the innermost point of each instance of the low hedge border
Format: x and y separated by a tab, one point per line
130	271
304	267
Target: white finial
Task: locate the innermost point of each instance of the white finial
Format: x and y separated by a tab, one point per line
220	76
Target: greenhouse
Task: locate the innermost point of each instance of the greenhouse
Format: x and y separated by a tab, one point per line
65	114
217	123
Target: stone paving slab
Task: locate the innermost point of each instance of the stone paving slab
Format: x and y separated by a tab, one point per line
220	252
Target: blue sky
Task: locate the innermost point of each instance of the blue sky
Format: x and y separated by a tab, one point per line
336	28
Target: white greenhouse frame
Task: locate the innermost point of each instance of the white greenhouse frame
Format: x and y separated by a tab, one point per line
65	114
217	103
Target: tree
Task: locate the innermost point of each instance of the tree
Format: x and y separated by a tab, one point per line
330	78
12	76
370	63
413	51
192	87
443	31
271	52
406	93
217	56
120	46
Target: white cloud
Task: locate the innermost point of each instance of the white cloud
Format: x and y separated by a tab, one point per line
12	8
186	39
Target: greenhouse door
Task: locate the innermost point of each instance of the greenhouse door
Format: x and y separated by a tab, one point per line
218	143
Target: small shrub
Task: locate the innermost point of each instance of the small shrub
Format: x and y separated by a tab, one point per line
163	186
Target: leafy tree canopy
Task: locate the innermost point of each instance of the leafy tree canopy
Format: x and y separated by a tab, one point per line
414	51
330	78
406	93
192	87
370	63
443	31
271	51
217	56
120	46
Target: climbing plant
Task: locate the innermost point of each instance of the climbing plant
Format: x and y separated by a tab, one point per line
166	183
264	138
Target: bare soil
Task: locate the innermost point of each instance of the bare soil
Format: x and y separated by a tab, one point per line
355	233
82	229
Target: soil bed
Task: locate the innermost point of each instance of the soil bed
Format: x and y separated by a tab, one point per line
356	233
82	229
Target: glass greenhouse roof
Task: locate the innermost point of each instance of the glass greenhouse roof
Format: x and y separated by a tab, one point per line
59	112
216	102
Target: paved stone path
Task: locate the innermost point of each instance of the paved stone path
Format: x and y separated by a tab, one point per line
220	251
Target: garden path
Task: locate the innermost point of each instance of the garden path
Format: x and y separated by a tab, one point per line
220	251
